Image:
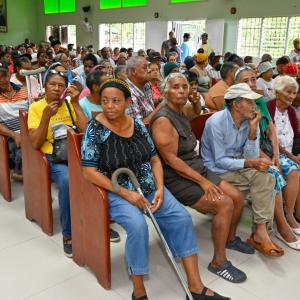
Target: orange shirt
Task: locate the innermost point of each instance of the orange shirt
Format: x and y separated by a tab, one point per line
15	96
213	102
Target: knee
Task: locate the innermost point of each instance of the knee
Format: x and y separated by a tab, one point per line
63	180
184	218
137	227
293	176
225	204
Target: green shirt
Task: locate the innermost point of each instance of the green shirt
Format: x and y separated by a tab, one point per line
261	105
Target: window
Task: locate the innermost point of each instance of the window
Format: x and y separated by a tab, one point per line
108	4
128	35
59	6
184	1
273	35
66	34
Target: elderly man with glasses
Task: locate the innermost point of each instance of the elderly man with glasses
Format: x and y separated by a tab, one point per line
230	148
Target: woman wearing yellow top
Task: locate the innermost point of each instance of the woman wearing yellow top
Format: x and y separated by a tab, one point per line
42	116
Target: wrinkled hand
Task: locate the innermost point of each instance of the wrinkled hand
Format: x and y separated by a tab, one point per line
253	122
194	97
277	163
17	138
262	164
51	109
74	92
157	200
211	191
137	200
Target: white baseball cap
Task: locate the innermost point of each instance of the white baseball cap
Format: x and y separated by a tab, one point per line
241	90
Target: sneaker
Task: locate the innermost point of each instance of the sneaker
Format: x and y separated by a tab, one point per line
228	272
238	245
114	236
68	247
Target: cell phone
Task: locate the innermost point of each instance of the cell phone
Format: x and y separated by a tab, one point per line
63	95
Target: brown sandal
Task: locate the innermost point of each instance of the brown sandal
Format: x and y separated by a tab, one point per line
267	248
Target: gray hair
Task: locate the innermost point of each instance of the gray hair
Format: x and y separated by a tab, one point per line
132	63
58	57
240	71
166	83
281	82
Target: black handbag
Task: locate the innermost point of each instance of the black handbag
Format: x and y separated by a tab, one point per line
265	143
296	146
60	144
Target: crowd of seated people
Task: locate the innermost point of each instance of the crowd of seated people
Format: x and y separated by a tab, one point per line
250	147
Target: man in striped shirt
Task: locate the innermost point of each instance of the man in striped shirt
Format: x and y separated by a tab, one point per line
12	98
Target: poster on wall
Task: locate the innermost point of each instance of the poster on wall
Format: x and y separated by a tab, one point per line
3	16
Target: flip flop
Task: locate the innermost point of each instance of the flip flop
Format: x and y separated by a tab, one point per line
267	248
293	245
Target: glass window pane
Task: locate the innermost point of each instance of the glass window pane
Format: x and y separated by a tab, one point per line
127	35
131	3
293	33
139	36
249	36
51	6
274	36
183	1
67	6
108	4
115	35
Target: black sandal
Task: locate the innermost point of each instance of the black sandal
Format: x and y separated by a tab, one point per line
139	298
203	296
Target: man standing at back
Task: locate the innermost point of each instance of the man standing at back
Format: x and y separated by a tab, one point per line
186	47
166	45
204	44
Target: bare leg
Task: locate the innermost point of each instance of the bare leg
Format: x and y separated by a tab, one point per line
282	225
238	205
290	193
138	285
222	211
190	264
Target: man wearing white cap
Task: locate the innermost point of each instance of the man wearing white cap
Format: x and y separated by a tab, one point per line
230	148
265	81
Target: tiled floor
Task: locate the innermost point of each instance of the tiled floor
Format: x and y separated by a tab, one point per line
33	267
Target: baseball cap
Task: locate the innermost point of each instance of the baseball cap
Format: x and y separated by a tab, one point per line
264	67
241	90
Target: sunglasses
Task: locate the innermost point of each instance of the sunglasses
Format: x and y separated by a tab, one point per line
61	74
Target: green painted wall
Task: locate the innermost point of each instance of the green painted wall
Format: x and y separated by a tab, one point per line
26	17
22	17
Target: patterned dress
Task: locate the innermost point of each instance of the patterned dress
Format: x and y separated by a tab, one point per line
103	149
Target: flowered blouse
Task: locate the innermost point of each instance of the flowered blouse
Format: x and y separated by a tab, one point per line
103	149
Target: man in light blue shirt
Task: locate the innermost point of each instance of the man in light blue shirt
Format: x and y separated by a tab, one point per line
186	47
230	147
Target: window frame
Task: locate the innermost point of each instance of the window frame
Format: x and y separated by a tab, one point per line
59	8
264	31
122	5
108	29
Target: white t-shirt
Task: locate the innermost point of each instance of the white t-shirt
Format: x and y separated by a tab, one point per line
267	87
284	129
295	57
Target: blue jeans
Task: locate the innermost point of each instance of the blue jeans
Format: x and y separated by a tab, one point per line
174	221
60	175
